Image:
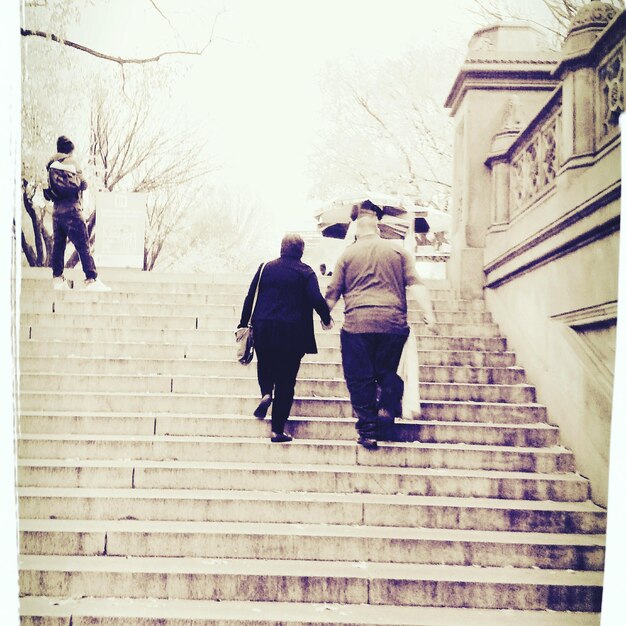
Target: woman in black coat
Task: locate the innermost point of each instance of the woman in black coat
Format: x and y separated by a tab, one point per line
283	327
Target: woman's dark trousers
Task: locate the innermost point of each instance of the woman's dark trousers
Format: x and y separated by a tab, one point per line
277	369
370	362
71	226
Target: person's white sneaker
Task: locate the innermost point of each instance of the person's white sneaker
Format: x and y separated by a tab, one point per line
60	284
95	284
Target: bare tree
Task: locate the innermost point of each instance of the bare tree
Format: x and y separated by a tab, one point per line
57	38
237	236
128	149
553	17
388	131
39	254
129	152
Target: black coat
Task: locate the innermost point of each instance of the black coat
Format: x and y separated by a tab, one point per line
283	316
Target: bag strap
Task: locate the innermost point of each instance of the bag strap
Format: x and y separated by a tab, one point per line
256	293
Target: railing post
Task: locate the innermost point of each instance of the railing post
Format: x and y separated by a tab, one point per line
500	167
507	67
584	111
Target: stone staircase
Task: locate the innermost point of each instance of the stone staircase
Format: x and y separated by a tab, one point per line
148	494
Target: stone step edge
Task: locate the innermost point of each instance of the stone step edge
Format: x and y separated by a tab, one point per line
317	443
370	570
292	418
235	379
209	396
299	529
192	612
586	506
291	468
216	362
156	344
25	309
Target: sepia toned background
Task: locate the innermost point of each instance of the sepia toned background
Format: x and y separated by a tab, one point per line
265	110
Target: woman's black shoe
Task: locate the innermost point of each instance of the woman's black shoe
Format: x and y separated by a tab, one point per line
281	438
369	444
261	410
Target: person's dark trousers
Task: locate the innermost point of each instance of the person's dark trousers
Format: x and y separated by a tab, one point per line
71	226
277	369
370	361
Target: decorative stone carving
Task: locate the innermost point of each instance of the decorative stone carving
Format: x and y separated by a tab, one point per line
535	166
593	15
511	119
548	140
586	27
611	80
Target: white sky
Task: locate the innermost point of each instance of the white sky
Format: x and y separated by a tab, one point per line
256	93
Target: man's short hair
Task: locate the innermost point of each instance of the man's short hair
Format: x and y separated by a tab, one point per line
367	207
292	246
65	145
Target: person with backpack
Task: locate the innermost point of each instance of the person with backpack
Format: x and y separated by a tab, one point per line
66	185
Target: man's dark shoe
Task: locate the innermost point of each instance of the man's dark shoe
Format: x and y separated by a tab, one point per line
281	438
385	425
261	410
369	444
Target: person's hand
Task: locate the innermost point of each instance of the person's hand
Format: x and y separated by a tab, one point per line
329	325
431	324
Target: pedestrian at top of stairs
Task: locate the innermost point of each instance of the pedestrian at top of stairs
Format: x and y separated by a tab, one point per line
374	275
66	186
283	327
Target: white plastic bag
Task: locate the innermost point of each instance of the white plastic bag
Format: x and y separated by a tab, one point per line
408	370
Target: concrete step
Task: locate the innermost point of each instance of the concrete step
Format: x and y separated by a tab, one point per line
170	612
390	454
335	582
475	501
310	542
164	322
318	370
205	404
298	477
487	514
226	337
184	284
229	310
30	296
329	388
338	429
156	351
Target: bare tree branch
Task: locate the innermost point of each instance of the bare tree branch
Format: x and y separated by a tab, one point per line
28	251
158	10
25	32
407	157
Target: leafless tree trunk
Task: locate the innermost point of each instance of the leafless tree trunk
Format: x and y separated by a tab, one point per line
130	154
131	158
42	253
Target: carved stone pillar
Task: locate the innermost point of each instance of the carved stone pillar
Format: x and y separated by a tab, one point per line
577	70
501	192
500	167
505	64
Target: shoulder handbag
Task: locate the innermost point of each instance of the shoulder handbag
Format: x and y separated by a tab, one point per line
244	337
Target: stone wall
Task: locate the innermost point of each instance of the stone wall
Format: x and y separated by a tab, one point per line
537	211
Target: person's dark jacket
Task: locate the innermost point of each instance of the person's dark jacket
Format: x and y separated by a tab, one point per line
283	315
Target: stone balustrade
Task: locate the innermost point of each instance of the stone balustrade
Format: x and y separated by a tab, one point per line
536	203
